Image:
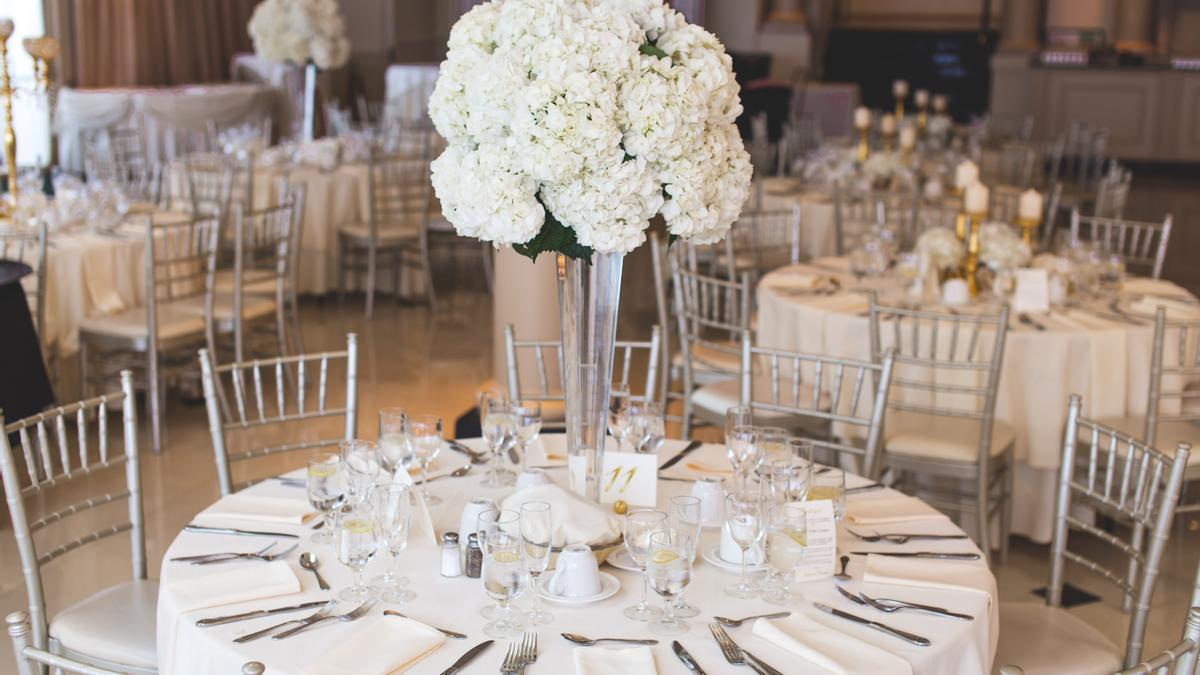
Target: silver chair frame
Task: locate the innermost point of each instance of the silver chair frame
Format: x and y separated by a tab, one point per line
31	660
874	207
771	238
252	403
1141	243
1187	366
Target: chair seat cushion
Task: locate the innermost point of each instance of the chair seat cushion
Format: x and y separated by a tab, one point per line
253	306
257	282
721	396
1046	640
387	233
116	625
711	364
173	322
1167	436
940	437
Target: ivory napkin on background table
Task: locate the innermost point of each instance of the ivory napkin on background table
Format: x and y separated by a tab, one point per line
576	521
890	510
389	645
601	661
256	508
829	648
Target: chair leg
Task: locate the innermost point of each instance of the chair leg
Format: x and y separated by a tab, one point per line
297	337
1006	512
153	391
281	328
83	369
370	290
341	272
687	401
983	521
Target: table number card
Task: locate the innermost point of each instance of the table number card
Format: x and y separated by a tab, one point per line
1032	293
630	477
820	553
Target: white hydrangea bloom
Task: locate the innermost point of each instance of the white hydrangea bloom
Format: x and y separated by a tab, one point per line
300	31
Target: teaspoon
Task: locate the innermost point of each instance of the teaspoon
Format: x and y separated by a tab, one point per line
308	561
734	623
588	642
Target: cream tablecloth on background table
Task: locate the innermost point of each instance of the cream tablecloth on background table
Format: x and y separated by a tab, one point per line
958	646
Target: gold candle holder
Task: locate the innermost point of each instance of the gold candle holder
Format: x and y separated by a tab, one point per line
971	266
899	109
888	140
922	118
10	137
1029	227
863	148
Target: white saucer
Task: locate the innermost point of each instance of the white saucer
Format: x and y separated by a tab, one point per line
713	557
609	585
621	560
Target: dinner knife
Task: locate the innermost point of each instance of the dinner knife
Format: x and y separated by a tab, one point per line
691	447
220	620
241	533
864	488
933	555
468	657
881	627
685	657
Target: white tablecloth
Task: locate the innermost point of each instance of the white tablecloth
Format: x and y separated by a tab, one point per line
407	87
1106	361
958	646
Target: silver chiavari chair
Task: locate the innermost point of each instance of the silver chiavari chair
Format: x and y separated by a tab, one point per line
1180	658
713	315
855	212
396	233
1111	473
1112	193
30	659
179	257
1017	161
545	383
270	397
942	421
71	448
118	155
846	396
1142	244
1079	157
761	241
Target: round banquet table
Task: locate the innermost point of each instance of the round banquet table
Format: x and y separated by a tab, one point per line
1090	350
957	646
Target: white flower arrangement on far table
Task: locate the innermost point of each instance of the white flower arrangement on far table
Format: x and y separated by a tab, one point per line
941	248
572	123
300	31
1001	247
880	167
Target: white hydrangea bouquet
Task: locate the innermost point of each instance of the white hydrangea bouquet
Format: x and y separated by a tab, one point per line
572	123
300	31
1001	247
941	248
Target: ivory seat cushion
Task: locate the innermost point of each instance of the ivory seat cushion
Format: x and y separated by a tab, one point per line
116	625
258	282
941	438
253	306
707	358
1046	640
387	232
173	322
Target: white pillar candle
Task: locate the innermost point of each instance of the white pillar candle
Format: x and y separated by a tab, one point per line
965	174
921	97
940	102
900	88
908	138
1029	207
887	124
862	117
976	200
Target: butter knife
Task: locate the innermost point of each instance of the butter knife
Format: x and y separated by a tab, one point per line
241	533
468	657
220	620
683	656
933	555
691	447
882	627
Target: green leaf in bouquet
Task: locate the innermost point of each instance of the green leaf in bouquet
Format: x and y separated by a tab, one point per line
651	49
557	238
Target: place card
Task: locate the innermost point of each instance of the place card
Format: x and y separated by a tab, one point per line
1032	292
629	477
820	553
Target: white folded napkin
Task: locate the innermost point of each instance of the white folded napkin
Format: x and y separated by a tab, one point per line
389	645
1148	285
576	520
878	511
240	582
601	661
829	648
255	508
1176	309
957	575
796	280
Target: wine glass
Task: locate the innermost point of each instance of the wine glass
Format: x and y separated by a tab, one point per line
618	415
504	579
772	444
393	504
393	446
537	532
787	542
639	525
685	515
362	468
499	427
830	484
744	515
356	546
424	434
529	424
802	454
326	491
492	523
646	427
741	448
669	571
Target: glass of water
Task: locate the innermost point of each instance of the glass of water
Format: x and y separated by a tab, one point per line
618	413
505	578
646	427
529	424
392	445
830	484
669	571
326	491
361	459
787	542
424	434
685	516
741	448
537	534
639	525
499	426
744	517
356	546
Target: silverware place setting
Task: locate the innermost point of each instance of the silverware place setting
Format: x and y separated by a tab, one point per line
737	656
232	531
308	560
890	605
353	615
457	473
734	623
257	614
443	631
203	556
520	655
842	575
902	538
468	656
588	642
932	555
688	660
1030	321
217	558
319	614
911	638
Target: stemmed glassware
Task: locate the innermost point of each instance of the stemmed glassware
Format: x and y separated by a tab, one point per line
505	578
772	445
424	434
499	427
537	533
618	413
830	484
393	504
356	546
489	524
802	468
361	459
685	516
639	525
787	542
529	424
744	516
326	491
669	571
741	448
645	427
393	446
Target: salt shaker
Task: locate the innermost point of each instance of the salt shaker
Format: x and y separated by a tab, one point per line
451	558
474	557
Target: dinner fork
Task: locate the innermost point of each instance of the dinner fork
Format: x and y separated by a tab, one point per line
890	605
265	557
737	656
512	660
321	613
527	654
203	556
353	615
902	538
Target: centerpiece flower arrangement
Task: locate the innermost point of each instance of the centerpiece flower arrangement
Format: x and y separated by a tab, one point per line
1001	247
941	248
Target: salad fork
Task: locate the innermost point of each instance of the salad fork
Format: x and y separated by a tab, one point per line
323	612
737	656
204	556
512	660
353	615
265	557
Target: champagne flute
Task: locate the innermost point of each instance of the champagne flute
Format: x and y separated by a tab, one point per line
362	469
424	434
504	579
529	424
830	484
669	571
618	417
393	506
787	542
499	427
639	525
537	533
685	515
356	546
326	491
744	515
393	446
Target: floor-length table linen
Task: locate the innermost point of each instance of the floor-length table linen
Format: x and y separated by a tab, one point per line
959	647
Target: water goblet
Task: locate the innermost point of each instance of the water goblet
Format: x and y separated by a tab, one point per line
356	546
393	505
744	517
491	523
529	424
830	484
686	515
772	444
669	571
639	525
787	542
424	433
361	459
393	446
499	426
741	448
505	578
618	413
537	533
326	486
646	427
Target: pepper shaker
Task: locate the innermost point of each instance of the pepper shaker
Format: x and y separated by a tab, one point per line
474	557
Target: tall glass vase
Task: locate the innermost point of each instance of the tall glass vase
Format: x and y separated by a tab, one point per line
309	124
588	295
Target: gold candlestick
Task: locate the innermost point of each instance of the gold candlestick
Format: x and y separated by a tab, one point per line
10	137
899	108
1028	227
971	266
863	148
922	118
889	140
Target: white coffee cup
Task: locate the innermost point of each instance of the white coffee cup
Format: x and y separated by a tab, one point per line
470	517
576	575
731	553
712	499
532	478
955	293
